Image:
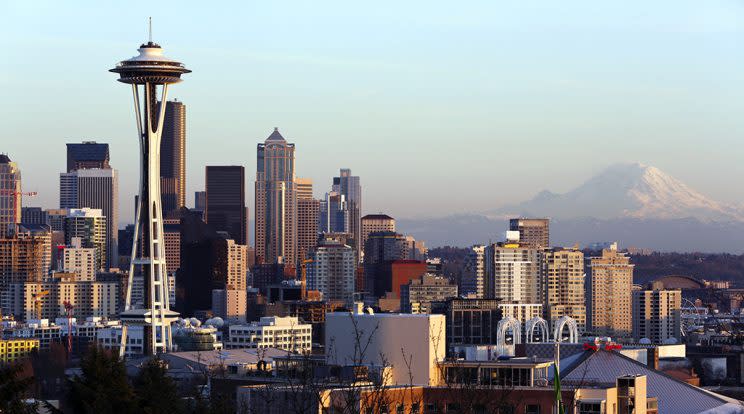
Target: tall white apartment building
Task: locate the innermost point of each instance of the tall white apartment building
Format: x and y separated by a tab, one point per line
513	272
332	270
79	260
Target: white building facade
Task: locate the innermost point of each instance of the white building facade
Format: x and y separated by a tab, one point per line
286	333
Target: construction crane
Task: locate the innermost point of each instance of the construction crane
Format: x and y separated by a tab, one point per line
303	276
37	302
68	313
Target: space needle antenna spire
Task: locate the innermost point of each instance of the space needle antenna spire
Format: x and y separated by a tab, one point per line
150	73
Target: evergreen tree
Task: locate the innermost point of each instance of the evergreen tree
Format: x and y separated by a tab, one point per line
13	388
155	390
103	388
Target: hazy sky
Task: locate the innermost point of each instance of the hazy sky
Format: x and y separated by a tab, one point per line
440	107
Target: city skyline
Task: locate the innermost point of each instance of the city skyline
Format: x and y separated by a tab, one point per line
339	281
627	77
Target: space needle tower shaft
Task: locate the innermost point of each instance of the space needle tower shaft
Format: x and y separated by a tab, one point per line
150	73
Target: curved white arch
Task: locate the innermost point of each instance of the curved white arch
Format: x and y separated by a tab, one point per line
573	330
504	325
534	323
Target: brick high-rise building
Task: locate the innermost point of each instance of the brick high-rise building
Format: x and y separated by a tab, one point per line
225	206
656	315
276	202
173	158
610	293
532	231
564	278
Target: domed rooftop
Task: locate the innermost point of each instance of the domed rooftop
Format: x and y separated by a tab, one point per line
4	159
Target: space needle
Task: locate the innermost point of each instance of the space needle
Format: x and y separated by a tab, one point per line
149	72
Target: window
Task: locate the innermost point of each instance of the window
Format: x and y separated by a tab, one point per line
532	409
507	409
590	408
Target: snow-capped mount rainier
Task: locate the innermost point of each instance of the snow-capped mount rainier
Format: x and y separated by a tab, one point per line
635	204
631	190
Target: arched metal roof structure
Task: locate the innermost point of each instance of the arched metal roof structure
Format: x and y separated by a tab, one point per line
534	324
503	327
573	330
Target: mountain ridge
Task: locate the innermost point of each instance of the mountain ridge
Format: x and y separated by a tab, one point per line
635	204
625	190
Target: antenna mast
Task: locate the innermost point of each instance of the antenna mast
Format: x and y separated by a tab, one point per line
150	19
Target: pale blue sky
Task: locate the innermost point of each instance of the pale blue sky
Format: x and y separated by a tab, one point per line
440	107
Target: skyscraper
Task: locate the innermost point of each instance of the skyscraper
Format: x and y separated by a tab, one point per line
79	260
33	215
200	203
225	206
10	195
335	216
276	201
304	188
474	272
209	261
22	259
610	293
350	187
90	227
332	270
513	272
95	188
372	223
532	231
381	249
564	278
308	209
656	314
88	154
173	158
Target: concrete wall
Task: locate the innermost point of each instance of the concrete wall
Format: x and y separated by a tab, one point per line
386	338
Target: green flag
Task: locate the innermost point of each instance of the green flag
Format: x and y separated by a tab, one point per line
557	384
